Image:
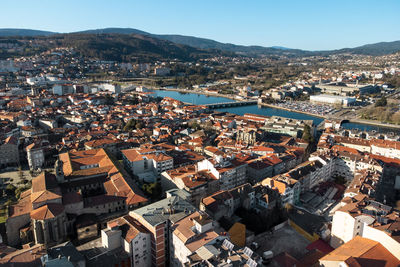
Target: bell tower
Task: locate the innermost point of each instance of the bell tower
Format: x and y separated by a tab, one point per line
58	168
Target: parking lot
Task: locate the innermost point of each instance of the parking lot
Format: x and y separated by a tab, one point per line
285	239
305	106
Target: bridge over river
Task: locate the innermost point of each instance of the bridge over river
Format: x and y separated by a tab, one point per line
231	104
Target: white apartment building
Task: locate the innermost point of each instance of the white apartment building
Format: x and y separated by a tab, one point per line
35	156
113	88
190	234
229	172
132	236
346	226
63	89
288	188
390	149
147	164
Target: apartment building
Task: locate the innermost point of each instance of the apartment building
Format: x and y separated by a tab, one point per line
147	164
190	234
35	155
159	218
229	171
381	147
132	236
198	184
225	203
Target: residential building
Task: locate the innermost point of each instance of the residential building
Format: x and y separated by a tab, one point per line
63	89
132	236
162	71
225	202
229	171
35	155
147	164
190	234
159	218
198	184
9	154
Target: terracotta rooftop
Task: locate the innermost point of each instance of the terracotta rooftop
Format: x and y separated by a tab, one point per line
48	211
364	252
129	226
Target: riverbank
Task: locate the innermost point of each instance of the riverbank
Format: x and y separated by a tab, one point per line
359	121
198	93
189	96
292	110
375	123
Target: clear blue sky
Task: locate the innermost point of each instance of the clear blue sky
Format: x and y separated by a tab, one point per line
312	25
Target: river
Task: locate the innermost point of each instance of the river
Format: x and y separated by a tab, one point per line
198	99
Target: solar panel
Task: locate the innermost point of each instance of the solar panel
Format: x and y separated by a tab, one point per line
228	244
248	251
251	263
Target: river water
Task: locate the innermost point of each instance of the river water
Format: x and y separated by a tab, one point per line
255	109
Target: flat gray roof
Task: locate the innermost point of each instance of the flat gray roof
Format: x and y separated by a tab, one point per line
173	209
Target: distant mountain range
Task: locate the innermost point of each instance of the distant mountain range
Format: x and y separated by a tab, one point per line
377	49
23	32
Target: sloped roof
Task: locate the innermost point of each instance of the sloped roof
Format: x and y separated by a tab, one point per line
45	187
45	181
362	251
48	211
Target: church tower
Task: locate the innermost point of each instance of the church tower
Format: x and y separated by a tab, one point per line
58	168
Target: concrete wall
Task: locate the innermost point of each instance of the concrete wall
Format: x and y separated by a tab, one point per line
342	228
9	154
180	253
141	250
111	239
389	243
13	224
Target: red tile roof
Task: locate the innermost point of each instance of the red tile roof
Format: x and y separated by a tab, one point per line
48	211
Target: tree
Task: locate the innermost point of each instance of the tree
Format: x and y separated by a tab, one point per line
339	179
307	135
109	100
139	125
130	125
18	191
10	190
381	102
153	189
194	125
134	100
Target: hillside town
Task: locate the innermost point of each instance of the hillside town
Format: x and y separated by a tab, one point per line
97	169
